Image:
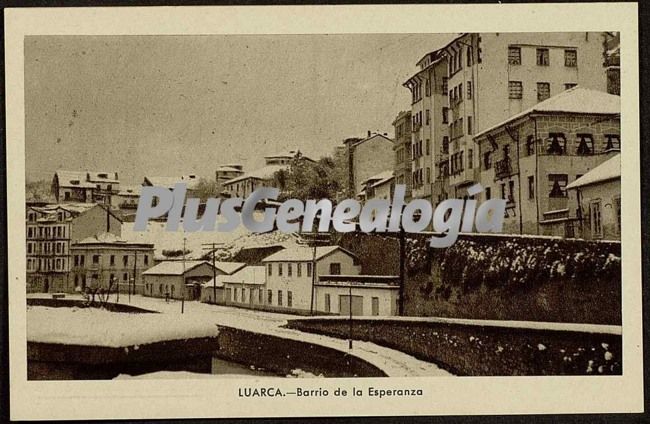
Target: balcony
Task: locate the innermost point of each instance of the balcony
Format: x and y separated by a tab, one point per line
503	168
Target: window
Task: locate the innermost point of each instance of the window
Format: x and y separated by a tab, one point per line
556	144
585	144
427	117
511	191
289	270
514	55
460	91
243	294
125	276
327	303
125	260
445	84
503	191
375	306
515	90
469	90
542	57
428	175
530	145
596	219
82	259
146	259
299	269
427	87
428	147
270	269
613	142
445	144
543	91
557	183
309	266
488	193
95	259
470	130
279	297
236	294
260	293
269	298
335	269
569	85
487	160
445	115
280	270
571	58
289	299
112	260
531	187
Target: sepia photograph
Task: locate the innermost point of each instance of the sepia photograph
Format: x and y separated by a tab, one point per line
251	208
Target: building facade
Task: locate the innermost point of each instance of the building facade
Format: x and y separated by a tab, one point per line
105	260
86	187
595	202
402	149
289	273
530	158
367	157
178	279
51	232
360	295
227	172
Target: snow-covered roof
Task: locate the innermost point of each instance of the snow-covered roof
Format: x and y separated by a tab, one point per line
264	173
228	267
130	190
226	168
174	267
103	177
608	170
381	178
303	254
73	179
190	180
110	238
573	100
246	275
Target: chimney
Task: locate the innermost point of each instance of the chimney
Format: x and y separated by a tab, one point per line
369	133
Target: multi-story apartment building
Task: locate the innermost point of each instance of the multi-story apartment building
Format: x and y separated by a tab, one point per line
430	134
104	260
492	76
86	187
402	149
531	157
367	157
51	231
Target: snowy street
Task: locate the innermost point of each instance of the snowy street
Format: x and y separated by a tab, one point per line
199	319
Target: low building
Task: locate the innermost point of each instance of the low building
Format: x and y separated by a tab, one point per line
227	172
243	185
174	279
380	186
105	260
373	295
290	273
51	230
128	196
244	287
595	201
86	187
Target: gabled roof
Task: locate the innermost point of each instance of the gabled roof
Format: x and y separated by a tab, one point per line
372	137
174	267
73	179
264	173
111	239
246	275
608	170
304	254
575	100
228	267
379	179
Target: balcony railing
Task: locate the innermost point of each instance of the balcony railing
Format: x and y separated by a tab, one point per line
503	168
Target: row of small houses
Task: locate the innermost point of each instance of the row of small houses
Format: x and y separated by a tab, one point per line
291	280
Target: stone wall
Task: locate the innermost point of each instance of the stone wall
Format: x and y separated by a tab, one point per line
484	350
500	277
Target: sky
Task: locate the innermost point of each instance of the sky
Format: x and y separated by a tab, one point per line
174	105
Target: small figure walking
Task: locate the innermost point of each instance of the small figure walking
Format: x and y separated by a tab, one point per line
167	296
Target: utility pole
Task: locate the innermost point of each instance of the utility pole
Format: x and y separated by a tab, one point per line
183	279
213	247
135	265
350	307
315	239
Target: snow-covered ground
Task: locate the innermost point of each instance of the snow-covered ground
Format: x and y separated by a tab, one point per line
98	327
201	317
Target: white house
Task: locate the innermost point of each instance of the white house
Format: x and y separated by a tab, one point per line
177	278
375	295
289	273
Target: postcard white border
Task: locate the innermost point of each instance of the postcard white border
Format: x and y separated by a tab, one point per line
206	398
